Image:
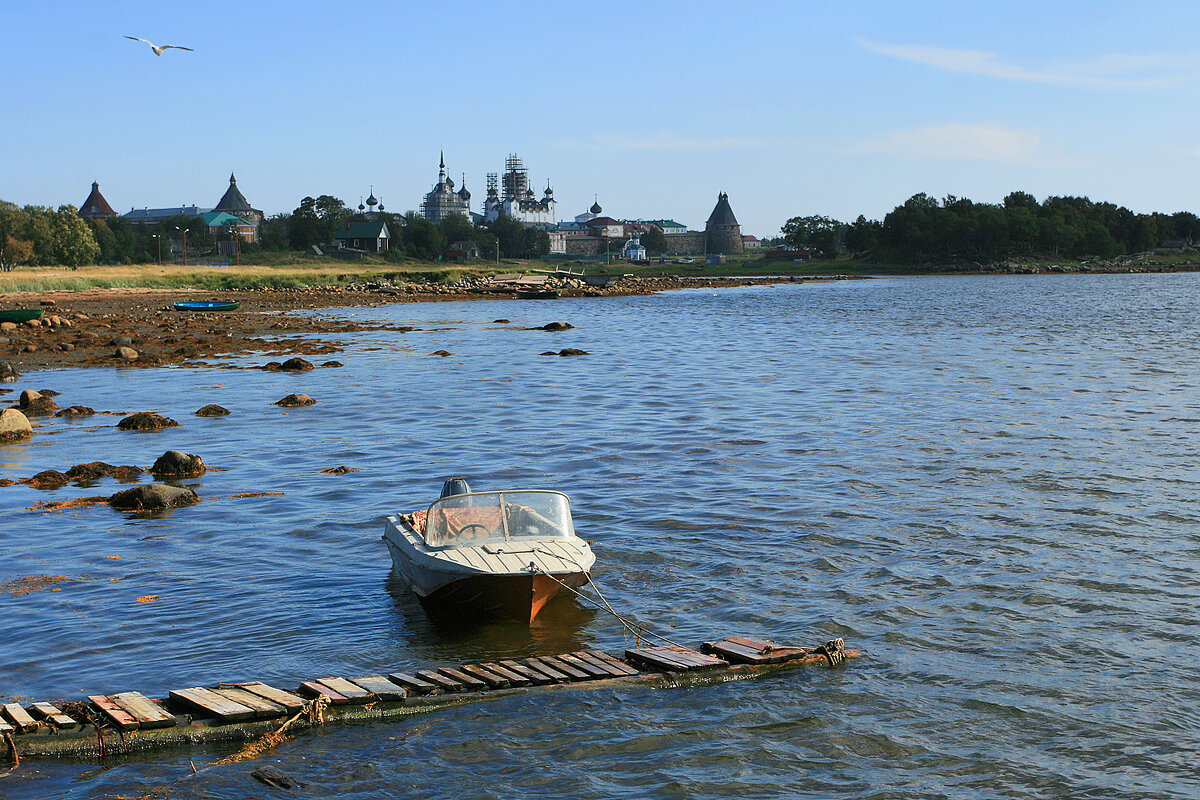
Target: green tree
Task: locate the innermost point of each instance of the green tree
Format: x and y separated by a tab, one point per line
818	232
421	238
862	235
457	228
71	241
654	240
14	251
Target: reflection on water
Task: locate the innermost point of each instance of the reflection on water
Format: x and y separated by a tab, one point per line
988	484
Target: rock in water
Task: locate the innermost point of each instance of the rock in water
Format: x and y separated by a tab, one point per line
153	497
274	777
296	365
76	411
14	426
95	470
48	479
146	421
36	404
213	410
293	400
177	464
557	326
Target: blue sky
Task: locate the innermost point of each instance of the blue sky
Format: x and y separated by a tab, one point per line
793	108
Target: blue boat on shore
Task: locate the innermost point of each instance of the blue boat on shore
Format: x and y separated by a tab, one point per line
207	305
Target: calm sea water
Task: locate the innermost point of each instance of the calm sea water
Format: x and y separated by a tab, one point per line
991	485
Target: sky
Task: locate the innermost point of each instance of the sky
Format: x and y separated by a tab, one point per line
652	108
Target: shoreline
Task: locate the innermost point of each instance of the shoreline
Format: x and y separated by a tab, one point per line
91	327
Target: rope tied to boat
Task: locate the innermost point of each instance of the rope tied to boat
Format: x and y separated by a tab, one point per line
834	650
638	630
12	752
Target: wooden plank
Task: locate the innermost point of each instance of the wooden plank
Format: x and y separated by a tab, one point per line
413	683
263	708
673	658
572	672
615	662
734	652
211	703
317	689
381	687
351	691
492	679
592	670
52	714
469	681
118	716
754	644
609	669
5	727
148	713
513	677
18	716
279	697
550	672
440	680
535	677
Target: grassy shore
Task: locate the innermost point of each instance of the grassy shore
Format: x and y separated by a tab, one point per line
293	270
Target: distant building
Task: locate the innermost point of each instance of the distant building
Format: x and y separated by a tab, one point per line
633	250
153	216
442	200
372	236
373	205
518	200
96	207
750	242
722	233
220	222
234	202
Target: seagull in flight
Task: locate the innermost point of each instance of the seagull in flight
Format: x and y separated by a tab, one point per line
158	49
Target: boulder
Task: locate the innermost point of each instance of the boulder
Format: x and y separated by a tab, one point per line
146	421
14	426
212	410
571	351
76	411
442	353
153	497
8	327
7	373
557	326
48	479
126	353
36	404
95	470
177	464
499	322
332	364
296	364
293	400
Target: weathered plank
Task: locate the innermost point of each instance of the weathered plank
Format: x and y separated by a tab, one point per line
550	672
279	697
118	716
413	683
148	713
211	703
440	680
670	657
317	689
18	716
381	687
5	727
492	679
734	652
52	714
614	662
608	669
535	677
570	670
760	645
470	681
263	708
592	670
742	650
513	677
351	691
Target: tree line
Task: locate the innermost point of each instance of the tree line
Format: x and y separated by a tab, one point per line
318	220
926	229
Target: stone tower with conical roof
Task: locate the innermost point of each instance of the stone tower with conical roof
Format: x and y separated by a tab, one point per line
96	207
722	233
235	203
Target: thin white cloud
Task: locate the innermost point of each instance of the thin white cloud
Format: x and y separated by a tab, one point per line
984	142
666	142
1106	72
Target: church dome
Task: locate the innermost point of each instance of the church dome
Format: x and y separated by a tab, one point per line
464	194
371	201
595	209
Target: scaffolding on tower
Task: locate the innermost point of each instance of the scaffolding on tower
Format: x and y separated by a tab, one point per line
516	178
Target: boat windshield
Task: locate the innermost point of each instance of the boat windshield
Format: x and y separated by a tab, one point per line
468	520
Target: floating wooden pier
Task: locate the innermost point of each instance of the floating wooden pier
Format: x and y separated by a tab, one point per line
128	722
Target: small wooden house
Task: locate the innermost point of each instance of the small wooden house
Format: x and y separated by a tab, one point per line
370	236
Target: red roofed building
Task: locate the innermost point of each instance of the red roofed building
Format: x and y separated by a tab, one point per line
96	207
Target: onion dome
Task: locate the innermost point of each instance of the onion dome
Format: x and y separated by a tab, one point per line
549	191
464	194
595	209
381	204
361	207
371	201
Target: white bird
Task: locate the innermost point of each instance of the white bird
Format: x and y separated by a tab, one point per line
158	50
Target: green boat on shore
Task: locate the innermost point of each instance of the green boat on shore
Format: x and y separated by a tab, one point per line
207	305
19	314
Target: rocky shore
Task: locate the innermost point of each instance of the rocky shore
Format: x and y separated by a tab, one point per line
140	328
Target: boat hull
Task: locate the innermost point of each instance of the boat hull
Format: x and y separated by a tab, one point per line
207	305
20	314
498	597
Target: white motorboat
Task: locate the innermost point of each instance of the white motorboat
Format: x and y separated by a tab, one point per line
498	554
